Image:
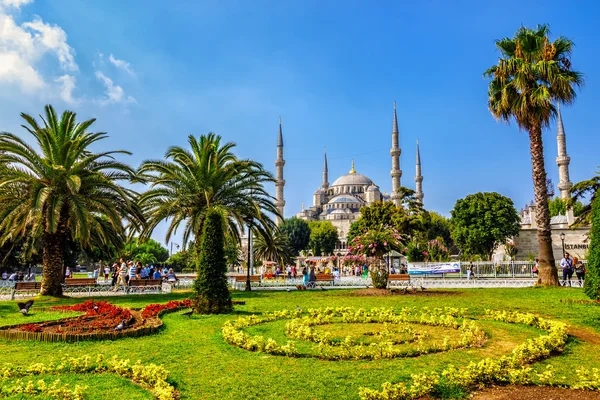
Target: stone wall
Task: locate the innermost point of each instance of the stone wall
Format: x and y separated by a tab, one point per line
576	243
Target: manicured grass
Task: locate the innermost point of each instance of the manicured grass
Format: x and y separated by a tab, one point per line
203	366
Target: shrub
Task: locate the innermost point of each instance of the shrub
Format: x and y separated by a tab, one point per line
212	294
592	276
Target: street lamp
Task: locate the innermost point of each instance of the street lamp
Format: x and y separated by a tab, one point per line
172	243
248	221
562	237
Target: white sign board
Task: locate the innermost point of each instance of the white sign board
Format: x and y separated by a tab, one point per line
433	268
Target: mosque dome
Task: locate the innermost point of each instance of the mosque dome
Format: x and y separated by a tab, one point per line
343	199
352	179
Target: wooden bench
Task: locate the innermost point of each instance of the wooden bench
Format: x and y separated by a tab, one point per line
321	278
403	279
84	282
243	278
143	285
26	287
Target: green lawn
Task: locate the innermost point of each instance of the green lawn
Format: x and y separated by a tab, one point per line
203	366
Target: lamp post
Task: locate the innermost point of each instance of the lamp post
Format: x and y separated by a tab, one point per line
562	238
172	243
248	221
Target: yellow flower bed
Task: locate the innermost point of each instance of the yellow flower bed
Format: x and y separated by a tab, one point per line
152	377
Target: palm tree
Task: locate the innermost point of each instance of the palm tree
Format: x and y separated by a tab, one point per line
532	75
189	183
63	192
275	248
581	189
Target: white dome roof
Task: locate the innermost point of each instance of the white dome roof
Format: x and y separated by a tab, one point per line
344	198
352	179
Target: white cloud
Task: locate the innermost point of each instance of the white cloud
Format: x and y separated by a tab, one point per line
124	65
114	93
67	85
22	48
14	3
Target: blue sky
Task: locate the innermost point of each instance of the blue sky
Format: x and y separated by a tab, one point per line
153	72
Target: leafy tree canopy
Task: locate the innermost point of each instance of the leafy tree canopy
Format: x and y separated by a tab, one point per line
483	221
297	232
135	247
558	206
323	237
592	276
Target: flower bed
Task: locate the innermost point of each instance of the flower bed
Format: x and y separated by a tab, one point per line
97	323
151	377
398	329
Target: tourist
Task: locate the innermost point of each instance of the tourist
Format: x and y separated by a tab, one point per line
20	276
567	268
471	272
131	271
31	277
336	273
96	273
304	277
157	274
122	275
536	266
13	277
171	277
143	271
579	270
106	272
312	278
288	271
68	273
4	275
115	273
294	272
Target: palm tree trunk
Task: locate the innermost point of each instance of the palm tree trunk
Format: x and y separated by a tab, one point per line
53	263
548	274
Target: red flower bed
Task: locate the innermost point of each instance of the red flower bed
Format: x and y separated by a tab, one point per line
152	310
31	328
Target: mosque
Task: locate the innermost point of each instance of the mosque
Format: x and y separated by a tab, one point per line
340	201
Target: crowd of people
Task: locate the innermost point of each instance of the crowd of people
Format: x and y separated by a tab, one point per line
18	276
122	272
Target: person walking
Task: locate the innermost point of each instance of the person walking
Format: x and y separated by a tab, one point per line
312	278
121	275
567	268
304	277
579	270
471	272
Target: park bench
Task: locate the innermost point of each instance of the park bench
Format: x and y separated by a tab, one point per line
321	278
80	285
25	287
240	280
399	279
145	286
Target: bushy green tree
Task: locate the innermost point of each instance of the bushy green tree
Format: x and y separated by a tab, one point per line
558	206
323	237
592	276
374	216
483	221
212	294
439	227
135	247
276	248
298	233
588	188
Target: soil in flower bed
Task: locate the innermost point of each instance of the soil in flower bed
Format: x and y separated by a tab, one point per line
400	292
533	393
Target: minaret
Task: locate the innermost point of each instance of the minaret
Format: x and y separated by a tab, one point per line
325	183
279	182
419	178
396	173
563	159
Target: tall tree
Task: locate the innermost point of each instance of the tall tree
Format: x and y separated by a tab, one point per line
374	216
191	182
559	206
298	233
135	246
531	76
323	237
483	221
212	294
62	192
